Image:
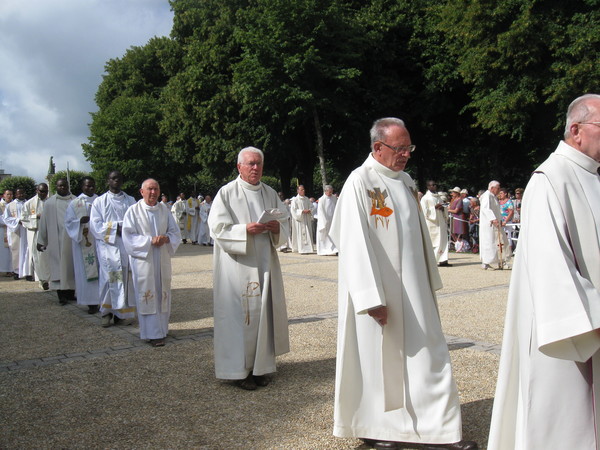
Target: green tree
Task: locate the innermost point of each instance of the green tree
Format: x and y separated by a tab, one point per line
200	113
523	62
297	77
125	133
19	182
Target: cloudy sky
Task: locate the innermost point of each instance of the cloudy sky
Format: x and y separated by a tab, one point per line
52	56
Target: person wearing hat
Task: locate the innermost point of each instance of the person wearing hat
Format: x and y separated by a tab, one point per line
458	225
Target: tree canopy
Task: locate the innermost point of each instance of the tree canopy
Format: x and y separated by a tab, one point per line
483	87
18	182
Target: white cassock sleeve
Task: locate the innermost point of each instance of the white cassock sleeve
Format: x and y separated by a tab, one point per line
139	245
103	231
11	222
561	296
429	211
231	237
358	262
72	224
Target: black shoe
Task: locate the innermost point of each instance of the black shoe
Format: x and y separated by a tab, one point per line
261	380
444	264
380	444
461	445
247	383
29	278
93	309
15	276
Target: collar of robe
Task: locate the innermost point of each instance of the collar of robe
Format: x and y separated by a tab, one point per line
380	168
246	185
581	159
150	208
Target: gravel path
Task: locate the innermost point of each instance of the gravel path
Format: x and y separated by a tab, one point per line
65	382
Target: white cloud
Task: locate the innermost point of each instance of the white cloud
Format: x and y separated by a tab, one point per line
52	55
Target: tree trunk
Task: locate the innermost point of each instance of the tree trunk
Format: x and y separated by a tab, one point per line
320	154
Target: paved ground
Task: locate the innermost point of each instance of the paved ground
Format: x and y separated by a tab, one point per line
65	382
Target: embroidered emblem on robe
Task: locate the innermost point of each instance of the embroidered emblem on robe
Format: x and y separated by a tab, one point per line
378	207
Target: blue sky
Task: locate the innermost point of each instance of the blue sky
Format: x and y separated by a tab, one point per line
52	56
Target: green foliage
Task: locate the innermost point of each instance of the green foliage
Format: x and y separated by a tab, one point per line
19	182
272	182
74	178
483	86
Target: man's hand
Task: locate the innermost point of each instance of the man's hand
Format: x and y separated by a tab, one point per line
161	240
256	228
380	314
306	211
494	222
40	247
272	226
439	206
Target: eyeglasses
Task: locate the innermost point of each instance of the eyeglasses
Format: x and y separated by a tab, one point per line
589	123
401	148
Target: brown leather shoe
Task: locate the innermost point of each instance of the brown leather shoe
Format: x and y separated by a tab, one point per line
461	445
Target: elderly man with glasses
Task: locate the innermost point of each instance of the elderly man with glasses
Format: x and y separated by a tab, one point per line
248	222
394	384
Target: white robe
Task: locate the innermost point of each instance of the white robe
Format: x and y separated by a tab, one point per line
32	213
547	382
302	240
151	265
114	277
13	216
393	382
489	235
203	231
179	211
5	253
326	208
436	224
192	217
86	286
53	236
251	324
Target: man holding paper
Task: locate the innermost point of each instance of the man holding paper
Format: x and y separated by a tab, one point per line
248	222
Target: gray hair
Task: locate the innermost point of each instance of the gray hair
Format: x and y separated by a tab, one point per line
579	111
380	128
493	183
328	187
250	150
147	181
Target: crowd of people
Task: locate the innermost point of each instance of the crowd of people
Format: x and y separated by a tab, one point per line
394	385
487	223
108	253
